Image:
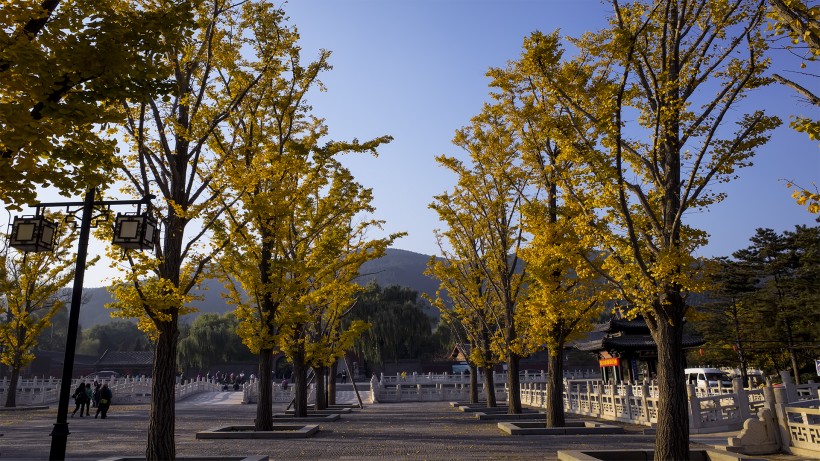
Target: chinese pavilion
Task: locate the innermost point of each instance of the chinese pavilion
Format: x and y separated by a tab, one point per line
625	350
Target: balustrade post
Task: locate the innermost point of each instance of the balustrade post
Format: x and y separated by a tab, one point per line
577	399
788	384
742	399
781	401
645	403
599	396
694	407
627	397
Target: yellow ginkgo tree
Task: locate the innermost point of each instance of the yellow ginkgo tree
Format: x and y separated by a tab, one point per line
180	141
566	291
462	297
64	67
487	201
296	253
652	105
298	227
799	22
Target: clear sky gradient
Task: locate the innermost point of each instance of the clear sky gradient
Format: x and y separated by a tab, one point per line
416	70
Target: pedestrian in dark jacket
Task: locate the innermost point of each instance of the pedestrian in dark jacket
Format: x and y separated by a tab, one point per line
105	401
96	397
80	399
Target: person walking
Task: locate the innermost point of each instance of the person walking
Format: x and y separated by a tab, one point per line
96	396
105	401
80	397
89	393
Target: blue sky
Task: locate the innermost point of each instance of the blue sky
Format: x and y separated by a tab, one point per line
416	70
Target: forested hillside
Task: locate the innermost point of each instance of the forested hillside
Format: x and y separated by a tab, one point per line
396	267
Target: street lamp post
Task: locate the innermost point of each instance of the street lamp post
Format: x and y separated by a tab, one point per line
131	231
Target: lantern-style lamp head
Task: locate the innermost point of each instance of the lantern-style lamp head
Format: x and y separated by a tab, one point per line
33	233
135	231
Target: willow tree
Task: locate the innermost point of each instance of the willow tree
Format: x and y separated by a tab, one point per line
212	340
64	66
177	151
30	295
650	99
489	192
462	296
399	327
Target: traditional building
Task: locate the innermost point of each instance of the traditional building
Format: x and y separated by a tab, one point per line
126	363
625	350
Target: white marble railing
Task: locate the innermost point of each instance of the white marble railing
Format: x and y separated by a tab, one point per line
403	392
36	391
126	390
638	403
464	378
250	393
803	421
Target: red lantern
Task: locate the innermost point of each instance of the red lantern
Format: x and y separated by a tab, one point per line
700	351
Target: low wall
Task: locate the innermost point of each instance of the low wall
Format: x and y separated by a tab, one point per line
127	390
404	392
464	377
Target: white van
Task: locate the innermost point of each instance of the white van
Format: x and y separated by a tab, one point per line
707	378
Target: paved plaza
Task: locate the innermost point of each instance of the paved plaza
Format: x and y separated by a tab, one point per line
394	431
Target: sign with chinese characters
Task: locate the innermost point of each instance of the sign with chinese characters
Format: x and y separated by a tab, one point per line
613	362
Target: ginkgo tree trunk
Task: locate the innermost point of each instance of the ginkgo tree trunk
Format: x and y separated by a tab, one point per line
650	104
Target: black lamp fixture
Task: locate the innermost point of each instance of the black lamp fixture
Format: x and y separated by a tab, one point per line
33	233
135	231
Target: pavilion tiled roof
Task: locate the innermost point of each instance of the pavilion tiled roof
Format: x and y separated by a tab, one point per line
634	326
622	334
125	358
628	342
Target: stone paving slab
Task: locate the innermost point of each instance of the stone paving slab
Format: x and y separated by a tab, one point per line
388	431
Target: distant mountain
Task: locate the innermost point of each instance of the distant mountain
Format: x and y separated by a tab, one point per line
400	267
396	267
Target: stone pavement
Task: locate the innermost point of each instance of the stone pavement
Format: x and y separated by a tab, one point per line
412	431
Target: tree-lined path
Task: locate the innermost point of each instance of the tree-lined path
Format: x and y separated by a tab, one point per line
414	431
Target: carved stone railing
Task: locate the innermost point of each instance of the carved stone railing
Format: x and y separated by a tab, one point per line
126	390
803	421
429	392
464	378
